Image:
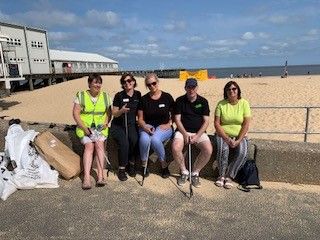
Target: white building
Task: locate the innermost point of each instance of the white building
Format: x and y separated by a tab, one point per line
24	53
27	47
76	62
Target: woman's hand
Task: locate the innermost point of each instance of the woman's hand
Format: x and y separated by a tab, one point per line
234	143
149	129
104	126
124	109
87	131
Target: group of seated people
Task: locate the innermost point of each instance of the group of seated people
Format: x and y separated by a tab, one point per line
143	122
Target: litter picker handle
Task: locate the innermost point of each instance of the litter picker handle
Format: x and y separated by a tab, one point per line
126	123
190	166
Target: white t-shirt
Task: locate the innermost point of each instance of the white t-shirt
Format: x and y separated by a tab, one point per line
93	99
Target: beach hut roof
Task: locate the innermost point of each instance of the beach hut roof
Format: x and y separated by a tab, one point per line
59	55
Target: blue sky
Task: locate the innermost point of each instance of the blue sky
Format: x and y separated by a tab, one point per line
155	34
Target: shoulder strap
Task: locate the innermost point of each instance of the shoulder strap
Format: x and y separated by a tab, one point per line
80	96
106	99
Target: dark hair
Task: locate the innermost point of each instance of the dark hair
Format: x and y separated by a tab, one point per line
94	76
227	86
123	77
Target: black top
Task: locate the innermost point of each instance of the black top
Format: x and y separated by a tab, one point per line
192	112
122	98
156	112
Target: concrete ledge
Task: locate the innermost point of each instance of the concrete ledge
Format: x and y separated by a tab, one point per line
293	162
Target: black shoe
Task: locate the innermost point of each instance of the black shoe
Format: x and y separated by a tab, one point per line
165	173
131	170
122	175
147	172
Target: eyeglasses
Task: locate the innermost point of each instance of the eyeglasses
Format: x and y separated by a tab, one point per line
151	84
123	82
232	89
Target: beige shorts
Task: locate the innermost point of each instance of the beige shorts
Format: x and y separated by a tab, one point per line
202	138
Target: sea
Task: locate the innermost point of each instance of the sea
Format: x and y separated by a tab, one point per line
264	71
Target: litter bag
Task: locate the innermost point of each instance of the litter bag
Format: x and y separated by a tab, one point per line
30	170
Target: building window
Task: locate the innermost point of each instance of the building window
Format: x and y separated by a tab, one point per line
14	41
36	60
19	60
35	44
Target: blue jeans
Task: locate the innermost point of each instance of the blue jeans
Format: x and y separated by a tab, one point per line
154	141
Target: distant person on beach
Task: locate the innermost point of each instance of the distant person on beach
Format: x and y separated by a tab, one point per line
154	119
92	113
285	74
232	118
192	120
124	127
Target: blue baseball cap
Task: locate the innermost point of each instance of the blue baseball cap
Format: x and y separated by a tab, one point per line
191	82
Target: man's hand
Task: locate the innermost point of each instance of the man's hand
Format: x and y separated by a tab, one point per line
194	138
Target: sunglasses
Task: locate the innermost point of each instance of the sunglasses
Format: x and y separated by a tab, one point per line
151	84
232	89
123	82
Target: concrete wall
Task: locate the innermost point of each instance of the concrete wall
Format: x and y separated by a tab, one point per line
293	162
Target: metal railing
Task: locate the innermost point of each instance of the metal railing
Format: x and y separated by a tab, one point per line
306	128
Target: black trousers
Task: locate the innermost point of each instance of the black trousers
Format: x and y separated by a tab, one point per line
127	146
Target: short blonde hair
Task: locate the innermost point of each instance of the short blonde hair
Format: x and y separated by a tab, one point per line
149	76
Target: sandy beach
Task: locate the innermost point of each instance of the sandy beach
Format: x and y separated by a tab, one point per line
54	103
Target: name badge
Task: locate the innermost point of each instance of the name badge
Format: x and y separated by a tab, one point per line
125	100
162	105
198	105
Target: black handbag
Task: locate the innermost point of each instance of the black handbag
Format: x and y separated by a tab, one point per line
248	175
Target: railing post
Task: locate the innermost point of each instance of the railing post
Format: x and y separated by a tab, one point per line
306	130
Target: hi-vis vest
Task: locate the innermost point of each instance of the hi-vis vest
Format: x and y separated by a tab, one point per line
93	113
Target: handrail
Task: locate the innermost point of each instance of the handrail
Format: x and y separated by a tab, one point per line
306	128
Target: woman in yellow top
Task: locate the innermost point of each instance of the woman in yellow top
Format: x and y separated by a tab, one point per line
232	118
92	113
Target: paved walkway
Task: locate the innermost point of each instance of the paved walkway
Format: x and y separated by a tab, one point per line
161	210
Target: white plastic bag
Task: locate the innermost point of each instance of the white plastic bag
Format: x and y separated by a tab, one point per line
7	187
32	170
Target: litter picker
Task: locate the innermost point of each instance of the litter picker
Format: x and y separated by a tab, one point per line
145	168
109	166
126	123
190	166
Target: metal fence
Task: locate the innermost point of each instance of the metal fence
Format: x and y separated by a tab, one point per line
306	128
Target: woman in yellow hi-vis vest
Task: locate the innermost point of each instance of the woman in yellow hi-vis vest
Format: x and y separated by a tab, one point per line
92	113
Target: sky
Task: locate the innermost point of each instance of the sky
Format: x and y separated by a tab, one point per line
166	34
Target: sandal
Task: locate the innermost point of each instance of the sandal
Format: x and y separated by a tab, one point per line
219	182
101	183
228	183
86	185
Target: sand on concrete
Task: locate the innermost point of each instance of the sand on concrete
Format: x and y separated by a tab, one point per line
54	103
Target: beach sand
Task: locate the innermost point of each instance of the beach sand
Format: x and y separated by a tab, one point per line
54	103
